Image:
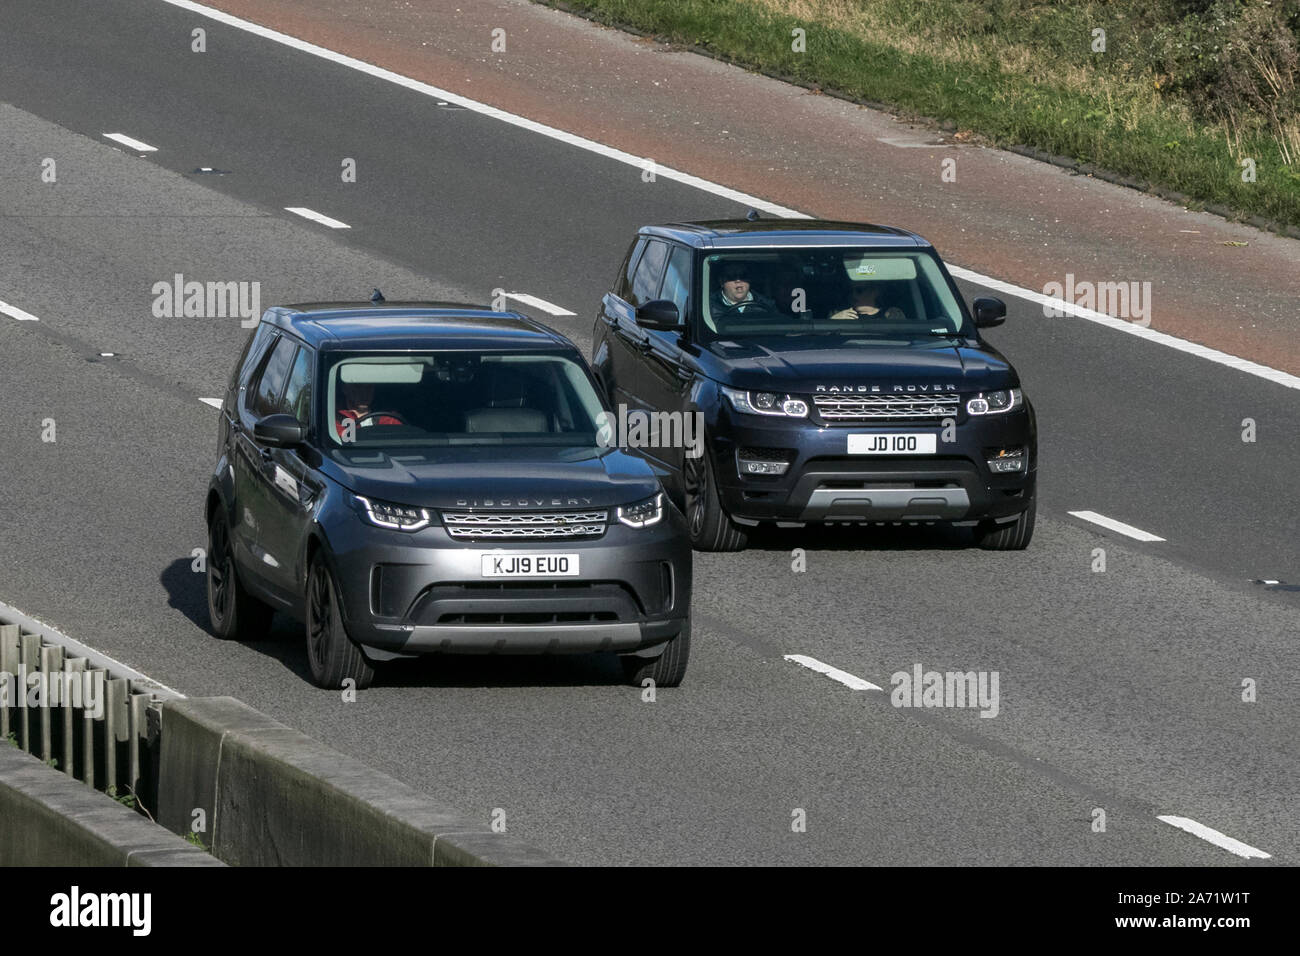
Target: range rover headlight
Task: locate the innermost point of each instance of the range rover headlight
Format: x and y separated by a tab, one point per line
995	403
643	513
766	403
385	514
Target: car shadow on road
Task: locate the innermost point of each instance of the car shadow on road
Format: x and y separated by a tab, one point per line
187	592
287	646
890	537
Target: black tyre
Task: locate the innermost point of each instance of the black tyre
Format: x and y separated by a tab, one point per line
711	528
331	655
666	670
233	612
1013	536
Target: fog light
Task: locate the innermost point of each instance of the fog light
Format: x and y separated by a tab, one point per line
1002	461
762	461
764	467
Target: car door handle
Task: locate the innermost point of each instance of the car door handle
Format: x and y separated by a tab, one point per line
266	455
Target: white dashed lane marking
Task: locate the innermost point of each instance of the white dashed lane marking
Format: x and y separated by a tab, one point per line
16	313
214	402
537	303
315	216
130	143
834	673
1221	840
1118	527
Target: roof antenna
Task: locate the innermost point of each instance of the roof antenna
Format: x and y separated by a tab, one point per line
377	297
752	215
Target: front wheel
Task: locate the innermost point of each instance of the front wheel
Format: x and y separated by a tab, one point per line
331	655
666	670
1013	536
233	612
711	528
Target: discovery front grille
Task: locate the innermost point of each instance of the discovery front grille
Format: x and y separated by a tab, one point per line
534	525
884	408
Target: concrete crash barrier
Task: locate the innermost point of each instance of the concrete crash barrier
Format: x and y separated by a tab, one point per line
50	819
264	794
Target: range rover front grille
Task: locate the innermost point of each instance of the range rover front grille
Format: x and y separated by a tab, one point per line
884	408
534	525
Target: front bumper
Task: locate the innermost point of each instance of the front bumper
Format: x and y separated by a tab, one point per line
423	592
825	483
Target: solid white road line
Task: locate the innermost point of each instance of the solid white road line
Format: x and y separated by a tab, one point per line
1117	526
1221	840
130	143
1160	338
214	402
1277	376
16	313
314	216
834	673
537	303
446	96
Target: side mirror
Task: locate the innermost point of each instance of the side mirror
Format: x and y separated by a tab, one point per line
989	312
660	315
279	431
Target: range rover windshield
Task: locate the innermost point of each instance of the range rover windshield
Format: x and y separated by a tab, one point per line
437	399
858	296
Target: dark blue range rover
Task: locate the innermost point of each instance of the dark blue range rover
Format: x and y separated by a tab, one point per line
833	371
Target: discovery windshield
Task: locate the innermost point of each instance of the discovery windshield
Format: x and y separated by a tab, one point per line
430	399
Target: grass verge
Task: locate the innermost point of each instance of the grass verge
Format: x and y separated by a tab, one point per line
1173	100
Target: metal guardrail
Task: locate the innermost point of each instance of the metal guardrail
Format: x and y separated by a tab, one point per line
78	712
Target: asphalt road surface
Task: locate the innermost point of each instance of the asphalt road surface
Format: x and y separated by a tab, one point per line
1119	690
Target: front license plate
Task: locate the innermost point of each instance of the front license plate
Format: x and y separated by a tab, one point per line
530	565
897	443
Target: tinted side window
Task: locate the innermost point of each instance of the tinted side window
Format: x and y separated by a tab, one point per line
645	282
297	394
252	352
266	393
677	279
624	282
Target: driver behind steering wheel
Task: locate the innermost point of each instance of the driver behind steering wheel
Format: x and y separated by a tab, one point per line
734	295
356	398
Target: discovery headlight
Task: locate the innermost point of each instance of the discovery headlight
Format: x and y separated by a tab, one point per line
643	513
385	514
